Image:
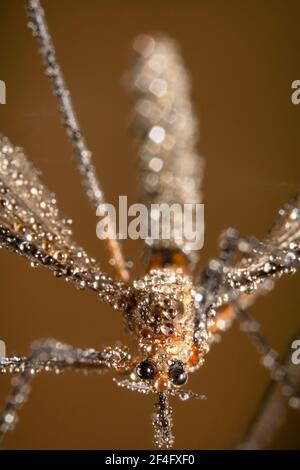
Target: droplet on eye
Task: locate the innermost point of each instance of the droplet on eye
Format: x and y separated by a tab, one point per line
146	369
177	373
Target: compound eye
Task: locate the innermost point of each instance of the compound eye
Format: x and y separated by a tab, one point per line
177	374
146	369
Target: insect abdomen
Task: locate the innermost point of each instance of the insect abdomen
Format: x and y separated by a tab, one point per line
165	126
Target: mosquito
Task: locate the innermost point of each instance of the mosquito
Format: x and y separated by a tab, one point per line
174	314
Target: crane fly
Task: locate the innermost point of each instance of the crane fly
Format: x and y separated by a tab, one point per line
174	314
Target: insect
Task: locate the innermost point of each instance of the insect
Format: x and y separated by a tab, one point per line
173	315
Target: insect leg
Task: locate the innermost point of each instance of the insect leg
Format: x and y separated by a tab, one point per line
271	409
268	356
211	286
217	293
50	355
38	24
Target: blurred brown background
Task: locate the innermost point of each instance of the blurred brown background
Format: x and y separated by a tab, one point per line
243	57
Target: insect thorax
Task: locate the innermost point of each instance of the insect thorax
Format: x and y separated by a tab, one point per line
163	318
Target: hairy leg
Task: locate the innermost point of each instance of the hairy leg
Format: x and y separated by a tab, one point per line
51	355
38	24
272	408
268	355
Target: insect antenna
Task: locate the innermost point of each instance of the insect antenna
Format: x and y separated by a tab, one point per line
140	387
186	394
38	25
